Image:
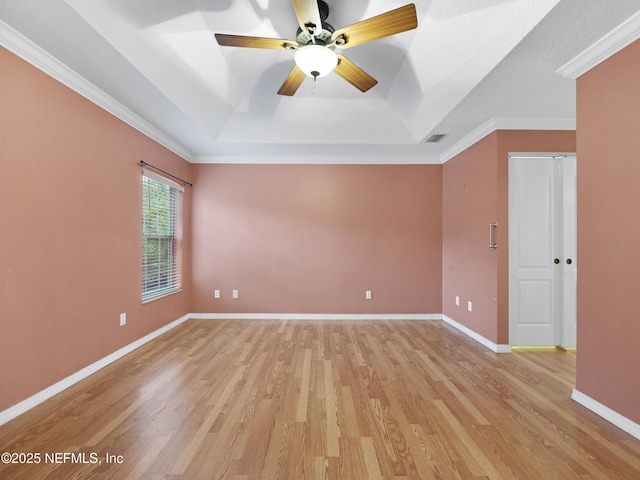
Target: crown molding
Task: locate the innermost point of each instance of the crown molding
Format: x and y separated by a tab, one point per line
475	136
24	48
329	159
519	123
614	41
506	123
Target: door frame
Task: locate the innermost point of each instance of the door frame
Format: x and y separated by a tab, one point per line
564	338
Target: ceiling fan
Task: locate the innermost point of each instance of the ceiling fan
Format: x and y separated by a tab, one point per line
316	41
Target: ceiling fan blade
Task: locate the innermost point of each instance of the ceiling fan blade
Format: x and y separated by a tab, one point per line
292	82
307	12
354	74
253	42
396	21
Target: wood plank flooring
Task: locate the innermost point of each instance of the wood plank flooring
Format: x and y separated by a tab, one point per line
334	400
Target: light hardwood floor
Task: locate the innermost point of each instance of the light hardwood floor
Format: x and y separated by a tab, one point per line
335	400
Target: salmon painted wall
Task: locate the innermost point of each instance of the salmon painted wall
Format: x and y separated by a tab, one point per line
470	198
70	234
313	238
475	193
608	119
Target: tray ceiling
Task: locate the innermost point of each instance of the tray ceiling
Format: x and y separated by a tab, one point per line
467	62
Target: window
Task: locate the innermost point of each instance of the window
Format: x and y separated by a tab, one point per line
161	236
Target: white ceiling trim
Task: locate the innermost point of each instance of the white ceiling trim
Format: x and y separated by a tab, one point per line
43	61
315	159
475	136
614	41
506	123
519	123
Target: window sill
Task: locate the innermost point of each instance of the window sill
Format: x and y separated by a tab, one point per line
160	295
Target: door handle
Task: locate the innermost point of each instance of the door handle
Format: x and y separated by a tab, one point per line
492	244
569	261
556	261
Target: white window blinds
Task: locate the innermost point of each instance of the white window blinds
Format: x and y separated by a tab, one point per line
161	236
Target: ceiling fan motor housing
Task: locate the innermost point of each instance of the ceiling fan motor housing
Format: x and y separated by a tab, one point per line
322	38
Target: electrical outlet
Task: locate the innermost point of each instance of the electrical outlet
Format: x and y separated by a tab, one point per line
216	294
235	294
123	319
469	306
367	294
457	300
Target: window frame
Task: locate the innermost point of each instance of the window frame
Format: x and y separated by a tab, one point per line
169	271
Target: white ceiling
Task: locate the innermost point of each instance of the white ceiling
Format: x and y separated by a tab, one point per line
469	61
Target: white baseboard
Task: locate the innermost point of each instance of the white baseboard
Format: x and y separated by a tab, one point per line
608	414
477	337
605	412
316	316
354	316
38	398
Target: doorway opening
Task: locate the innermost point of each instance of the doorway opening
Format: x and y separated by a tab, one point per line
542	250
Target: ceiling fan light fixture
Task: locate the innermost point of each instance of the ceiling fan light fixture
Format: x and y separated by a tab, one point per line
316	60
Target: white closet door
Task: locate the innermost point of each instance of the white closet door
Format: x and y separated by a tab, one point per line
541	240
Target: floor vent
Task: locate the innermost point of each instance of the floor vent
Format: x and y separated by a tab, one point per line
435	138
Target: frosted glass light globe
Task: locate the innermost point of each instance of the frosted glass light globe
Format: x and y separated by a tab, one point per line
315	60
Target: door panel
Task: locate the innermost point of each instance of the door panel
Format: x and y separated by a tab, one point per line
534	205
533	245
535	311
